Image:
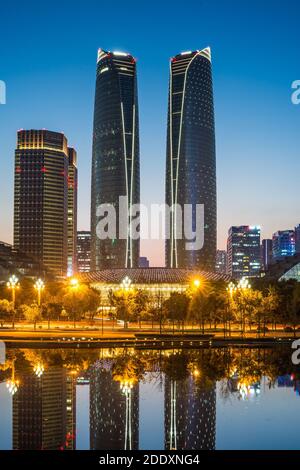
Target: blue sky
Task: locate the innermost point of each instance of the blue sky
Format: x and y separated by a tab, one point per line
48	60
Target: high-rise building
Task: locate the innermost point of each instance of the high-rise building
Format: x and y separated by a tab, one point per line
191	159
83	251
297	238
266	253
283	244
243	252
41	197
190	415
221	262
72	210
44	410
115	162
114	412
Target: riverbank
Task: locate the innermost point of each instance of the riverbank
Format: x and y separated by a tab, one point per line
81	338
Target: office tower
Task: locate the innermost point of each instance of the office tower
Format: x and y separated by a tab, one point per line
297	238
115	162
44	410
72	210
243	251
41	197
144	262
83	251
190	415
191	159
114	413
283	244
221	262
266	253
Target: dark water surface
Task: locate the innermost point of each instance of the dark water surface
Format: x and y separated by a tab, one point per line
143	399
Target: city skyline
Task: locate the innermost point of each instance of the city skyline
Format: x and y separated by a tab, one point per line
258	105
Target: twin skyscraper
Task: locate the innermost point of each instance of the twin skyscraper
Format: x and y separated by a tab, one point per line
190	157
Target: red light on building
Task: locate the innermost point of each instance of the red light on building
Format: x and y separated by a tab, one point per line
44	169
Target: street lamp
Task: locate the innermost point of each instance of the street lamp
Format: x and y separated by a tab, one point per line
74	284
13	284
197	283
126	283
243	286
39	287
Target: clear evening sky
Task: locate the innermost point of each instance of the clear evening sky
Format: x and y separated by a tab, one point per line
48	61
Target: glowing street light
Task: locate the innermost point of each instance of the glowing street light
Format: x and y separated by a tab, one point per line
39	287
244	284
74	283
231	288
126	283
197	283
13	284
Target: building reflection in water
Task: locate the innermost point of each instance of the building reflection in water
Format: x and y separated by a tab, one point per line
114	410
44	410
190	415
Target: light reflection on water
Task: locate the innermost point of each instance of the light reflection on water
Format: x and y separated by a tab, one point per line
129	399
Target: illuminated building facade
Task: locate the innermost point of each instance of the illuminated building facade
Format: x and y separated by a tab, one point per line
221	262
72	210
41	197
191	158
44	411
297	238
190	415
283	244
243	251
83	251
114	413
115	162
158	282
266	253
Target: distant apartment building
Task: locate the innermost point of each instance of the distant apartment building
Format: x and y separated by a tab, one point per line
297	238
83	251
283	244
221	262
266	253
144	262
243	251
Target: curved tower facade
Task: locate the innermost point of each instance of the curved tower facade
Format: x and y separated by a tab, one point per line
115	162
191	158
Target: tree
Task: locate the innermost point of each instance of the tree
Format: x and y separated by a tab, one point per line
140	304
176	307
123	302
80	300
31	313
6	310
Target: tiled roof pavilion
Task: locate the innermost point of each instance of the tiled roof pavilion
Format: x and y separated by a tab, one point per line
149	276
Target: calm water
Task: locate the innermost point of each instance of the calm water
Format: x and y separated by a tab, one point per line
129	399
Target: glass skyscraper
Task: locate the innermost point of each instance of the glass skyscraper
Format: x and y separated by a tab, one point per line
191	159
115	162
